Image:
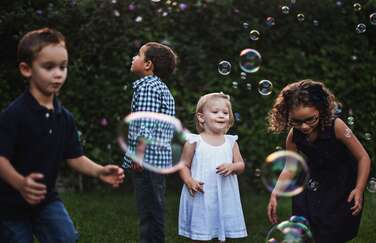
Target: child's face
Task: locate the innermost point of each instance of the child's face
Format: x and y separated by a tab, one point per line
304	118
139	65
48	70
215	116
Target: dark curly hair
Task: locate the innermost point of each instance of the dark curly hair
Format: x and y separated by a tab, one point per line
303	93
163	58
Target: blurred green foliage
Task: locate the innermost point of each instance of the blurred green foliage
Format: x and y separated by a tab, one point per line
103	36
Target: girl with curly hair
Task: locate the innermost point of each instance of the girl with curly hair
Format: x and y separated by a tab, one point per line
338	163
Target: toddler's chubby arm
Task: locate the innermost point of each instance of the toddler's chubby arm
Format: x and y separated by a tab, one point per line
185	173
237	166
110	174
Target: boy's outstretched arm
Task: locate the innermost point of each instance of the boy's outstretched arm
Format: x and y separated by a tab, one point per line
111	174
31	190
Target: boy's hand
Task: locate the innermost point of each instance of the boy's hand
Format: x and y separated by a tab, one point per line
136	167
272	209
112	174
357	196
195	186
225	169
31	190
140	152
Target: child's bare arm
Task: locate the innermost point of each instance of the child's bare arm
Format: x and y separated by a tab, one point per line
185	173
237	166
344	134
111	174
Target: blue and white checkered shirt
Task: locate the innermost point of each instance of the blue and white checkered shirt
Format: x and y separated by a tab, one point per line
152	95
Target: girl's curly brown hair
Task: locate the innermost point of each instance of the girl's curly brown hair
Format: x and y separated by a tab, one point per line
303	93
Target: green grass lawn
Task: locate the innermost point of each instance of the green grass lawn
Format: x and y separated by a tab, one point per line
111	217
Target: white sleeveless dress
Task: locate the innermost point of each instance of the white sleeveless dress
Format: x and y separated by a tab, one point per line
217	212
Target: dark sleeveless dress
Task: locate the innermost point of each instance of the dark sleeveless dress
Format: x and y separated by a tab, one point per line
333	173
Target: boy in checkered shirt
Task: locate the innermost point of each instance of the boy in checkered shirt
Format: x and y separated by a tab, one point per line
153	62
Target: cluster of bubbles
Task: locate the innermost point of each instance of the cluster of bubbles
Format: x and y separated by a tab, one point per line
284	173
294	230
140	131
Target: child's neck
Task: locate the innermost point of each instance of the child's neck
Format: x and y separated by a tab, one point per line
43	100
146	73
213	138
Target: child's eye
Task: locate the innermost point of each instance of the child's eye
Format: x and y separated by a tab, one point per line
63	67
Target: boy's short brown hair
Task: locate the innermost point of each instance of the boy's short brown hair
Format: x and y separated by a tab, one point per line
34	41
163	58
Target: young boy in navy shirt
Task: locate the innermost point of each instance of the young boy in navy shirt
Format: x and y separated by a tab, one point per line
153	62
36	134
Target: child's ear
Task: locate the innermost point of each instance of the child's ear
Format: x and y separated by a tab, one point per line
200	117
25	69
149	65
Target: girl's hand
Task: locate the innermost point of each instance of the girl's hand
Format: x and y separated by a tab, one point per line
272	209
357	196
195	186
112	174
225	169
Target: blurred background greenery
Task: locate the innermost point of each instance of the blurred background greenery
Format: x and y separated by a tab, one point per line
103	36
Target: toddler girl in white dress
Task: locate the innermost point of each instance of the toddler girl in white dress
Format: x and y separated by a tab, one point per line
210	206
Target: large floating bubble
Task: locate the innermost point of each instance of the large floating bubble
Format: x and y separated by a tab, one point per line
289	232
284	173
147	138
250	60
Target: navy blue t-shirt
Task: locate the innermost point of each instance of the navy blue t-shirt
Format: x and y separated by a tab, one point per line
35	140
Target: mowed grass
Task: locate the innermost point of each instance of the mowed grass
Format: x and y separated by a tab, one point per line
110	217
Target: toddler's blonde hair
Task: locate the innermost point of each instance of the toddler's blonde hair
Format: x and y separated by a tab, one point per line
203	101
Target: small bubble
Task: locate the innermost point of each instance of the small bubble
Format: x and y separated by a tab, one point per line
243	76
368	136
357	7
372	18
350	120
285	9
254	35
224	67
300	17
270	21
361	28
